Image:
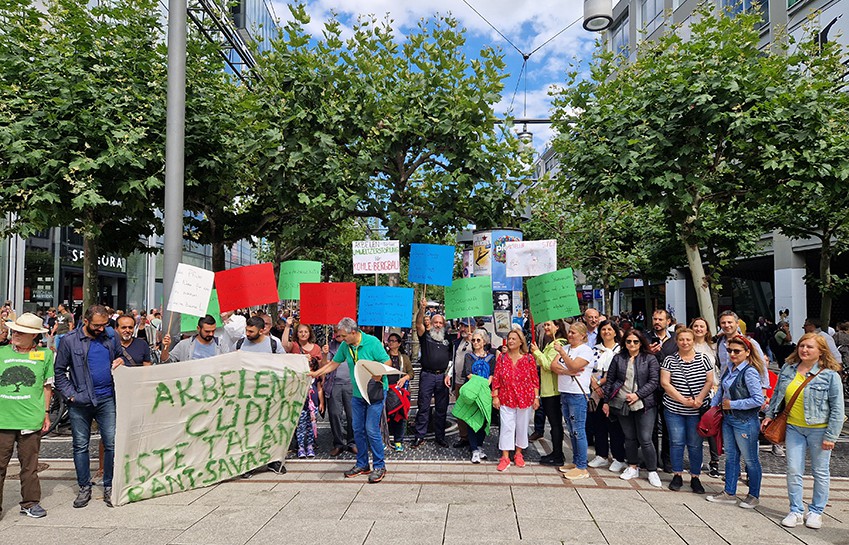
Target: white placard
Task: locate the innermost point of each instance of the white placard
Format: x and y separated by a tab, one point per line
196	423
531	257
365	369
376	256
191	290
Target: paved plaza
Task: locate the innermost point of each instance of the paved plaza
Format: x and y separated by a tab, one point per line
418	503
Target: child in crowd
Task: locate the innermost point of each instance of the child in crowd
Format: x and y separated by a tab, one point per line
307	430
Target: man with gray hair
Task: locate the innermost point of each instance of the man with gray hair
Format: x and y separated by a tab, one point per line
366	414
435	359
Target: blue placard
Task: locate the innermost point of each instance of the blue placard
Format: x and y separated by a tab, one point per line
431	264
385	306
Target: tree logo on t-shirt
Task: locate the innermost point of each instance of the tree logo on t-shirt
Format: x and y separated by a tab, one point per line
17	376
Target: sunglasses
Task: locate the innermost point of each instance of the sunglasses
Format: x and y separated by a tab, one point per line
632	341
736	351
477	340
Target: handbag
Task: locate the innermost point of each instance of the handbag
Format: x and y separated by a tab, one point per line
776	431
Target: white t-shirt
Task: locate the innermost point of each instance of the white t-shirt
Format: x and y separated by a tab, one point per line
572	384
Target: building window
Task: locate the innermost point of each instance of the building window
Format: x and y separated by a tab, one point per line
733	7
651	12
620	39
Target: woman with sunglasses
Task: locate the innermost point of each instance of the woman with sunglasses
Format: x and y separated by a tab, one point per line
481	362
813	425
553	331
629	393
401	361
741	397
686	377
607	434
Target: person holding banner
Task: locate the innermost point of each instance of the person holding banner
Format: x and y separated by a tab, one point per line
435	358
202	345
366	415
305	342
515	394
554	332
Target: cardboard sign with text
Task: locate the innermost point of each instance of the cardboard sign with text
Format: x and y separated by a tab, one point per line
469	297
196	423
190	291
552	296
248	286
293	274
530	257
431	264
376	256
385	306
326	303
190	323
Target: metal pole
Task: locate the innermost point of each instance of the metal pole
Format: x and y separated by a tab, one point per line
174	149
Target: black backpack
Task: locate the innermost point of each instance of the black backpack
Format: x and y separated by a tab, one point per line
241	341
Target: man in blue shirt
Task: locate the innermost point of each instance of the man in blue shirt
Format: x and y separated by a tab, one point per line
83	373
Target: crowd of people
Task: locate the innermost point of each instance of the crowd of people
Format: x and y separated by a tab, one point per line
636	396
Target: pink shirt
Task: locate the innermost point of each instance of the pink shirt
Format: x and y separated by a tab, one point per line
516	383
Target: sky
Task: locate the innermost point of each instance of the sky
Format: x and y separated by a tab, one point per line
526	23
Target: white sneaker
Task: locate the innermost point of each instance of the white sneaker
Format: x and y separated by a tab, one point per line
617	466
630	473
813	520
476	457
654	479
598	461
792	520
482	454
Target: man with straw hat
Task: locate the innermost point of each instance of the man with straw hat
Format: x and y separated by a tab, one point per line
26	380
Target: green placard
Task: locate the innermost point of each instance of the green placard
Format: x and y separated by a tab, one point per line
469	297
190	323
293	273
552	296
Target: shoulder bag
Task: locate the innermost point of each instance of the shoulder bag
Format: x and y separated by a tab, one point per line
776	430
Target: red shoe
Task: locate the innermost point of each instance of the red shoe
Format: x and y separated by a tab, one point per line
519	460
503	464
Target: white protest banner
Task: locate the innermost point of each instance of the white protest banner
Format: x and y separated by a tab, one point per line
531	257
191	290
376	256
193	424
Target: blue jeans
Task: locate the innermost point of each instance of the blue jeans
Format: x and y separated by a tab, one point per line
799	440
365	419
740	440
81	417
682	432
575	414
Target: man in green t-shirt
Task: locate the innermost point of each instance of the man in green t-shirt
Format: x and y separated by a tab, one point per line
26	378
365	416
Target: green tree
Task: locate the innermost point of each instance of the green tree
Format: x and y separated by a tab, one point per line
811	156
682	127
81	122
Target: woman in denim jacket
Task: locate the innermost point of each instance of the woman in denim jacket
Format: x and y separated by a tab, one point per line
814	423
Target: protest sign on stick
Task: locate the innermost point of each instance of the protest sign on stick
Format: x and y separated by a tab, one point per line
469	297
190	291
376	256
295	272
530	257
326	303
552	296
190	323
385	306
248	286
431	264
192	425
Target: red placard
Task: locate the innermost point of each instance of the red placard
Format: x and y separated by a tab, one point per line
248	286
326	303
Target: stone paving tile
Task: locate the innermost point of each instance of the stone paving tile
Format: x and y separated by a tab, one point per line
697	535
562	528
127	536
285	529
405	532
617	533
388	492
243	493
228	525
386	513
20	534
494	522
134	515
608	505
465	494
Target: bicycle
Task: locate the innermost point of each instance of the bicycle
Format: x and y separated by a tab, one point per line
58	411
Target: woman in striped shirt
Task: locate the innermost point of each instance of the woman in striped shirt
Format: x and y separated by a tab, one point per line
686	377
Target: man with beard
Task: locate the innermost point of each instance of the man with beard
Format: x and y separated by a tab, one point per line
256	338
134	351
435	358
203	345
83	373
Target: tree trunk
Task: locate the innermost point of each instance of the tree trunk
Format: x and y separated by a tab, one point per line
825	282
647	304
218	261
608	301
90	284
701	284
